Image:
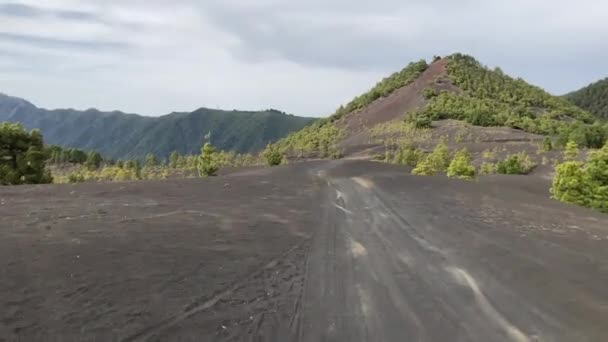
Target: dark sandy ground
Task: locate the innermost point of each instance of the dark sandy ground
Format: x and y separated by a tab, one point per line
335	251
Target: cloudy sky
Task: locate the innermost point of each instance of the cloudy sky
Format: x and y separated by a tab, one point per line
301	56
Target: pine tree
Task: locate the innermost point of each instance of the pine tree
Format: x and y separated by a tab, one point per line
207	165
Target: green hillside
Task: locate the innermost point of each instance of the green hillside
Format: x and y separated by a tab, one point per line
488	97
479	95
593	98
119	135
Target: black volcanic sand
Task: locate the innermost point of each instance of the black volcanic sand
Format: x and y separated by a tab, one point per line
336	250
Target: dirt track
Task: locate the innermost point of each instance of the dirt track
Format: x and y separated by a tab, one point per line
337	251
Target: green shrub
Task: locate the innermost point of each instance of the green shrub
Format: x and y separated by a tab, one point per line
174	159
94	160
515	164
544	161
420	120
150	161
76	177
461	167
317	139
596	173
408	155
429	93
207	165
487	168
272	155
571	152
488	155
434	163
569	184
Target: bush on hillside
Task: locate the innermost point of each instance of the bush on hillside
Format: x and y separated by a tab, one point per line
487	168
383	88
515	164
272	155
429	93
434	163
571	152
420	120
318	139
460	166
407	155
491	98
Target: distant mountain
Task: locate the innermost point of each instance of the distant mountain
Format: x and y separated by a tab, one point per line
120	135
593	98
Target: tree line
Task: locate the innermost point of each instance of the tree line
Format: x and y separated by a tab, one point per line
24	159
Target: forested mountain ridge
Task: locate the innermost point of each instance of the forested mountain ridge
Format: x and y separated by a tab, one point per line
120	135
593	98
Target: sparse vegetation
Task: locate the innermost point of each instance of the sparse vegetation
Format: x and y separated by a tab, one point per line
420	120
317	140
150	161
406	154
489	154
179	166
434	163
480	82
515	164
571	152
492	98
460	166
272	155
487	168
429	93
384	88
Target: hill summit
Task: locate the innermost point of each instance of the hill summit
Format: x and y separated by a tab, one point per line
432	95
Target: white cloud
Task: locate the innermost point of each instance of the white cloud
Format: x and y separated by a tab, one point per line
304	57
